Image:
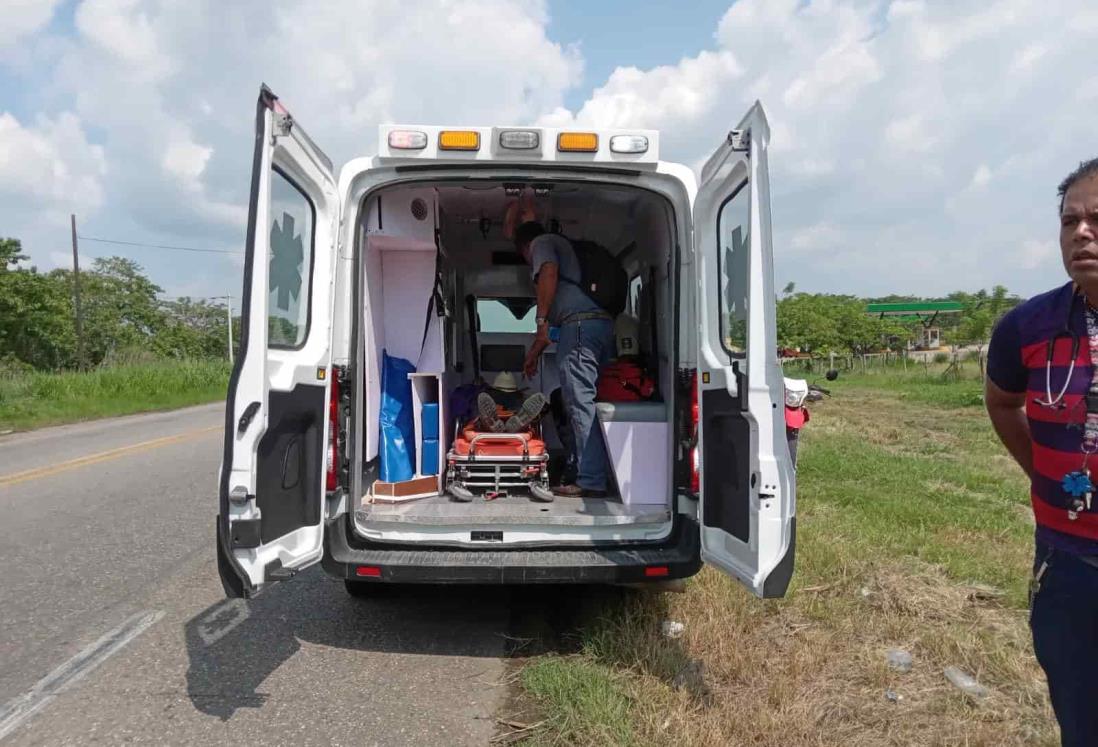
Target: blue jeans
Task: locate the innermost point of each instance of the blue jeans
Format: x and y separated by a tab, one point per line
583	349
1064	621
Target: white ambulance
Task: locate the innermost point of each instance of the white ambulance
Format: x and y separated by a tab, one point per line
403	255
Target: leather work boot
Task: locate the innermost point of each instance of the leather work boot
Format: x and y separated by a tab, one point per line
575	491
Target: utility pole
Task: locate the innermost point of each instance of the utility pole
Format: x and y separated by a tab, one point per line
76	296
229	316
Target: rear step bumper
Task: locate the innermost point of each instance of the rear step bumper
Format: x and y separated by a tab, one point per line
343	554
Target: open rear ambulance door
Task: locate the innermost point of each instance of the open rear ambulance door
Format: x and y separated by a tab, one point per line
273	469
747	500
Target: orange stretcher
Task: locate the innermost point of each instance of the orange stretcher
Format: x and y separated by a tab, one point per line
497	464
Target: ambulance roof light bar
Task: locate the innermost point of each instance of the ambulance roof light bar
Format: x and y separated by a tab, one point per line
575	146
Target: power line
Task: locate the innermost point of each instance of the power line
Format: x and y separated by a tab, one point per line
158	246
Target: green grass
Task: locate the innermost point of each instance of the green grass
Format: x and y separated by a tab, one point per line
914	531
37	399
916	385
586	702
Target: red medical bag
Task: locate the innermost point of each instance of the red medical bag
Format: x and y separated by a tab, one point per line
624	381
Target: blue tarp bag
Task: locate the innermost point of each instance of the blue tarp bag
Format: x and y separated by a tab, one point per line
398	449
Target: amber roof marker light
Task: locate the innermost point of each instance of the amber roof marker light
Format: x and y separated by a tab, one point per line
577	142
459	140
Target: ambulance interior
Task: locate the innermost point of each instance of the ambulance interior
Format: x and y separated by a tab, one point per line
446	240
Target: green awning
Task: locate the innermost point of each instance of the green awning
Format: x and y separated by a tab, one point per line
915	308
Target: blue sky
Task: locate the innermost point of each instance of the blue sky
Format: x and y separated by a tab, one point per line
916	144
617	34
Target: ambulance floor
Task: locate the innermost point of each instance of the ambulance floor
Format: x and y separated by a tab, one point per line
442	510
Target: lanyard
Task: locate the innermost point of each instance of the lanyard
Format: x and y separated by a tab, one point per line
1090	427
1078	483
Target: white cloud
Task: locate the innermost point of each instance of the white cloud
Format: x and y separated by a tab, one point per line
635	98
23	18
980	177
122	30
927	135
49	165
1034	253
185	159
913	142
815	238
170	88
1028	57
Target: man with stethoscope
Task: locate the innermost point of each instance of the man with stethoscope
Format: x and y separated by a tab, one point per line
1042	397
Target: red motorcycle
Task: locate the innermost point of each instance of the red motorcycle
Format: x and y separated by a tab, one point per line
798	393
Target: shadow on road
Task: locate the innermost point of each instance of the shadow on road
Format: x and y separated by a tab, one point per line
234	645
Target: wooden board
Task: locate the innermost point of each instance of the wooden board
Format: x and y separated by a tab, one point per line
405	490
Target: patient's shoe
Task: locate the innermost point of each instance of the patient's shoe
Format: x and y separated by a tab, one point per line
529	412
489	418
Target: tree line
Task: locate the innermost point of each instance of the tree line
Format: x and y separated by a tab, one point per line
821	323
124	317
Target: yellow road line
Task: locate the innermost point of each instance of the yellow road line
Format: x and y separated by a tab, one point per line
103	456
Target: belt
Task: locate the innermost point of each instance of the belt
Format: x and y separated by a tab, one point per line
586	316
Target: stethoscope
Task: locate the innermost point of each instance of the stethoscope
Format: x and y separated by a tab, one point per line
1050	348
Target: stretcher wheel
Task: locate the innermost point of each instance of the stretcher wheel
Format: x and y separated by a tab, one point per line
541	493
460	493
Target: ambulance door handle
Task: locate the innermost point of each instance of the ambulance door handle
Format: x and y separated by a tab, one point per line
246	418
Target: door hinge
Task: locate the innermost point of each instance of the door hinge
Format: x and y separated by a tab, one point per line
240	495
739	140
281	125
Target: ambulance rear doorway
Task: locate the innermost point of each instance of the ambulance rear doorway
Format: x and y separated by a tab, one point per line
445	241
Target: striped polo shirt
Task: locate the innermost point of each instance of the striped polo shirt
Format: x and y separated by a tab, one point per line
1017	358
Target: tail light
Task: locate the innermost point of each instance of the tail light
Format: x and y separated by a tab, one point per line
333	432
695	478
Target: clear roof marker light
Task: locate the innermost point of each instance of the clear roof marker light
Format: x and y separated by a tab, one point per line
407	140
519	139
629	144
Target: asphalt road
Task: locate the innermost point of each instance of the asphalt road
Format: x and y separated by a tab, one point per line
114	627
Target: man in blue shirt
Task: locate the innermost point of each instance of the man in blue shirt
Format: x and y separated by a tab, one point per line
586	344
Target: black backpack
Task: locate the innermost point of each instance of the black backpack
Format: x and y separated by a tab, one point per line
602	278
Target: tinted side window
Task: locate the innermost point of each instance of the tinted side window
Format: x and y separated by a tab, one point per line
733	257
291	263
